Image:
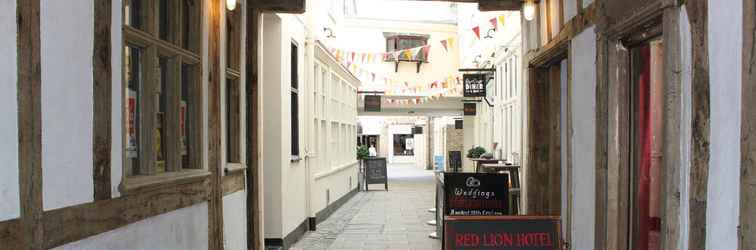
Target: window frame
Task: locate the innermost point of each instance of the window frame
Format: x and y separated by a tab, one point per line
294	92
233	141
179	53
396	39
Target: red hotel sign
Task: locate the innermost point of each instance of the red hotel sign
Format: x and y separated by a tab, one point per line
502	232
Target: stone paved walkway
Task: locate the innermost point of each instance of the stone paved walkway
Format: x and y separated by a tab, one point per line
393	220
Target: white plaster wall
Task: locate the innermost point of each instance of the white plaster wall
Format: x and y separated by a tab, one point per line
583	55
67	102
337	184
293	188
685	128
570	9
235	221
116	155
725	55
272	125
184	229
9	208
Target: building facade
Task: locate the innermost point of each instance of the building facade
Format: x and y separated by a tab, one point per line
637	124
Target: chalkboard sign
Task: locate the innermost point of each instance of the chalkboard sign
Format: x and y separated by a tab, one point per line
474	85
417	130
372	103
502	232
470	108
476	194
375	171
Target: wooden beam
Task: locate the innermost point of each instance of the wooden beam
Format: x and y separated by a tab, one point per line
602	126
280	6
233	182
11	235
699	169
499	5
748	132
30	122
102	95
252	43
75	223
215	206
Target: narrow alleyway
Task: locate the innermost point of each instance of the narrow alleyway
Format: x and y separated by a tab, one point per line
378	219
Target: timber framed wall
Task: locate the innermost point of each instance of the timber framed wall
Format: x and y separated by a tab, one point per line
747	240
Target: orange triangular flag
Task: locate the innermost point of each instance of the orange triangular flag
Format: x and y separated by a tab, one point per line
476	30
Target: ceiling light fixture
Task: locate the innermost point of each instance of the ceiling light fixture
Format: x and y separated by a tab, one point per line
528	10
231	4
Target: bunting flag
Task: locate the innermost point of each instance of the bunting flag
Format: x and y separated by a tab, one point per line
501	20
476	30
495	22
446	45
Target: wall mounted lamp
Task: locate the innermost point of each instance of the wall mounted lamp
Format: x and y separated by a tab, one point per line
231	4
476	61
329	33
528	10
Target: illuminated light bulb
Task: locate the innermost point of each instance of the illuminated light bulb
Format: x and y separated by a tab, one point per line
529	10
231	4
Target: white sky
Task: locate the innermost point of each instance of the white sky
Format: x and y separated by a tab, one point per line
427	11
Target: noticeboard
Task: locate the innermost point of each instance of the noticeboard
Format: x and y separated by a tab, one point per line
476	194
372	103
502	232
375	171
474	85
470	109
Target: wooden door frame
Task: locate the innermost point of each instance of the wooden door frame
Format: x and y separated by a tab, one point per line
613	193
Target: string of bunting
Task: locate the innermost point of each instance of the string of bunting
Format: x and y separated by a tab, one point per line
494	24
404	87
376	57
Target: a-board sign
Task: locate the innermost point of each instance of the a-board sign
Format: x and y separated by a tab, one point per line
375	171
502	232
458	124
470	108
476	194
474	85
372	103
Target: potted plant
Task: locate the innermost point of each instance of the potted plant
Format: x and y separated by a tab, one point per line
362	153
476	152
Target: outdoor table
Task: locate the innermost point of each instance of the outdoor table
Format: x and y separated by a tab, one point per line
479	161
514	173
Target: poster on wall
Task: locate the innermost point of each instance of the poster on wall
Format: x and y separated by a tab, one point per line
474	85
131	137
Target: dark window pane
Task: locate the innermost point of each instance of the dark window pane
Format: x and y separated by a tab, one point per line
132	69
232	121
294	66
160	121
404	145
233	38
294	124
134	11
164	24
188	115
190	24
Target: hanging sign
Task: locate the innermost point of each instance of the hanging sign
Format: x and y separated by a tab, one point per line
474	85
470	108
417	130
458	124
476	194
372	103
502	232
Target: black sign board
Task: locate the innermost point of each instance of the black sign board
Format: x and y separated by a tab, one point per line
372	103
476	194
471	108
375	171
458	124
474	85
417	130
502	232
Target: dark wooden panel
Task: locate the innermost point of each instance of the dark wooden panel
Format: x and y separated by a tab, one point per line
499	5
280	6
102	99
233	182
10	235
748	132
253	117
215	207
29	122
71	224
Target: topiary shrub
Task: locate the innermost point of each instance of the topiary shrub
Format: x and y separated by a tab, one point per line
476	152
362	152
